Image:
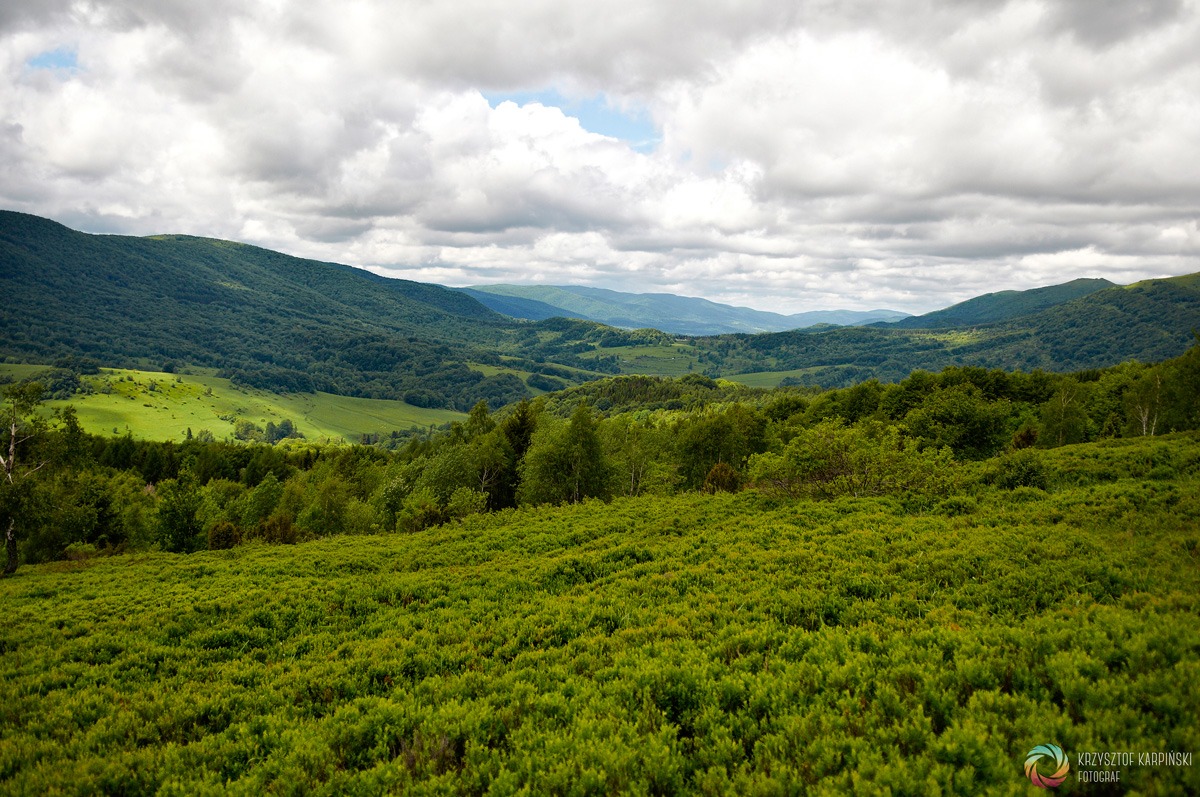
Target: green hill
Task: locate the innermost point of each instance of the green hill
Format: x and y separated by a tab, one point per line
696	644
1148	321
519	306
288	325
1004	305
263	318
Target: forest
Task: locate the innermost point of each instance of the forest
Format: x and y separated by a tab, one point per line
74	494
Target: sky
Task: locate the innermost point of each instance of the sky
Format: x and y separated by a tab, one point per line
786	156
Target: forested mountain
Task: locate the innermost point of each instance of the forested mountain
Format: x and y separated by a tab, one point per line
992	308
680	315
263	318
519	306
268	320
1147	321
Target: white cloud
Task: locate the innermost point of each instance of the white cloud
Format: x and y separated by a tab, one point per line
859	154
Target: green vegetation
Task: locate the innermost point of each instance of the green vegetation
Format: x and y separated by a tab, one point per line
1149	321
154	405
691	644
289	325
667	359
633	584
626	436
1004	305
264	319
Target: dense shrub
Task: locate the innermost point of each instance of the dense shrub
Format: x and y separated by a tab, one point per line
831	460
223	535
1020	469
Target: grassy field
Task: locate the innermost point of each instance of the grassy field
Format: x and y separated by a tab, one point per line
767	378
178	402
727	644
674	360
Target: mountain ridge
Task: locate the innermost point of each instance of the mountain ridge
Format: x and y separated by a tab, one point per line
999	306
681	315
268	320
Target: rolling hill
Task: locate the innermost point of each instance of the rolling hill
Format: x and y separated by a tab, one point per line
263	318
680	315
1147	321
992	308
269	321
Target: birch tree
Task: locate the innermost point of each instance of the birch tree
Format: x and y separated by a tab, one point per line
21	424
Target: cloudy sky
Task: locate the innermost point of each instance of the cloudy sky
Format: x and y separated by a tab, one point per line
783	155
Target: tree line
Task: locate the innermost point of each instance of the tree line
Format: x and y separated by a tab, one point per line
66	493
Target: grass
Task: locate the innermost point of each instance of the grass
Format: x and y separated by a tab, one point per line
767	378
674	360
182	401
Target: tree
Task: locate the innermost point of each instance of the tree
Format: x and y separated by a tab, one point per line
566	464
21	425
1143	401
831	460
1181	398
1064	420
518	428
637	452
479	422
495	471
178	525
961	418
730	436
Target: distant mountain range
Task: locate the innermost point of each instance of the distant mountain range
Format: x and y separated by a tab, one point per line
679	315
286	324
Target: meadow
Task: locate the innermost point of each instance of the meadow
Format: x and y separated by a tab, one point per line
153	405
734	643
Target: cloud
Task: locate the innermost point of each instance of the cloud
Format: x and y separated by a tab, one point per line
859	154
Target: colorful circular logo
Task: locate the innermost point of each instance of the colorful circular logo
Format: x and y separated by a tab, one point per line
1058	760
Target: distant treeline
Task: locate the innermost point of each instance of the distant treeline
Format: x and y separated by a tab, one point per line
74	494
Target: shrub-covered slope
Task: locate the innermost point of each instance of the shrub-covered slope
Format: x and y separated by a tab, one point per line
690	644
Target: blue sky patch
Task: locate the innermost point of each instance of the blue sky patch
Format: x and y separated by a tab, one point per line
64	58
594	114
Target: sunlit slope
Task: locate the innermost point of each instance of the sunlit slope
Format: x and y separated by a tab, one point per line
161	406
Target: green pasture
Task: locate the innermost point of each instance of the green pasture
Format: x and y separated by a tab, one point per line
125	401
674	360
767	379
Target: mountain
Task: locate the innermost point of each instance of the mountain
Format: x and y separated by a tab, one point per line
1148	321
519	306
267	320
1004	305
680	315
263	318
844	318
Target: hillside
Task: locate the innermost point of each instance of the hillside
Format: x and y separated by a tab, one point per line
519	306
724	644
270	321
680	315
992	308
265	319
151	405
1148	321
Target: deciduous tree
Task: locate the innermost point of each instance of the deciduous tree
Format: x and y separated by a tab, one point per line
21	424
